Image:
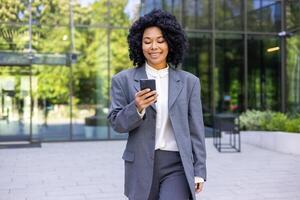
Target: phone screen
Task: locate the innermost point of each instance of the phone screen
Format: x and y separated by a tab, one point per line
147	83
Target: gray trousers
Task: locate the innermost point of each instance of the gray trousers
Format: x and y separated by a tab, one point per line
169	180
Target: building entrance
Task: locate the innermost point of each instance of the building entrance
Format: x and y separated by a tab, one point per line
15	103
24	112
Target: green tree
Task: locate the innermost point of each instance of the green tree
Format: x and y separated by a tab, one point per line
100	40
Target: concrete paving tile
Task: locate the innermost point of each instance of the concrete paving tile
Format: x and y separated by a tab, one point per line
94	170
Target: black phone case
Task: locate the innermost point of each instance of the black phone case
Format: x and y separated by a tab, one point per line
147	83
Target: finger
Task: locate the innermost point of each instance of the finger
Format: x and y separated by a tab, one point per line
144	103
149	103
150	99
198	187
149	94
142	92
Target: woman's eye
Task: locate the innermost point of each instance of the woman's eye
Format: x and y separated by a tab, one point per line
161	41
147	42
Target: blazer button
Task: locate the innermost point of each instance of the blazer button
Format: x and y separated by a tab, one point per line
152	158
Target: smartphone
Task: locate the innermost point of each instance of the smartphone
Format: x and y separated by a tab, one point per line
147	83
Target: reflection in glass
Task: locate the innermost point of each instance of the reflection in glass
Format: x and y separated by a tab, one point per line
263	73
293	14
172	6
14	103
196	14
293	74
132	9
90	74
14	38
229	14
90	12
95	12
119	61
50	12
49	39
117	14
197	61
229	73
149	5
264	15
51	106
14	11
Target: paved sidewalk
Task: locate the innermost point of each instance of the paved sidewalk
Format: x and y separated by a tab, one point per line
94	171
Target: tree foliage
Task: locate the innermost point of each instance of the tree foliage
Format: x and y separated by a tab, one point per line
99	39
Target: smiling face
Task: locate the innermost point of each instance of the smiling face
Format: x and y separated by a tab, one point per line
155	47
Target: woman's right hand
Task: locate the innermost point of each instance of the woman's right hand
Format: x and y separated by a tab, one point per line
145	98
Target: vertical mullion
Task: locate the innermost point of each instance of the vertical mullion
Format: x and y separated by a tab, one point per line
245	90
181	12
30	57
213	58
108	60
72	48
283	59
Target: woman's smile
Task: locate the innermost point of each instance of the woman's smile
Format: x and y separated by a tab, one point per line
155	55
155	47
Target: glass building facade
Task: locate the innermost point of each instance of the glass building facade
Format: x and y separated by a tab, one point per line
57	59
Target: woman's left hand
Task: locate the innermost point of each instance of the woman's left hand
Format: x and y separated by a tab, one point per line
198	187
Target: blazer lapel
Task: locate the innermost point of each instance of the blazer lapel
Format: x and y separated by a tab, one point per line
141	74
175	86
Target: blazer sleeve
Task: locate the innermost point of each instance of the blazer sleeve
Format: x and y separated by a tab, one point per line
196	126
123	116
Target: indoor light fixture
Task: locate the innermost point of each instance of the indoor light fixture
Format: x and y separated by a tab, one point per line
273	49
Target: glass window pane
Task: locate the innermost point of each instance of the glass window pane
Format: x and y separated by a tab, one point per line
14	38
51	39
149	5
196	14
119	61
14	12
91	12
173	6
264	15
293	14
90	83
229	73
50	12
198	62
132	9
293	74
119	51
51	102
15	103
229	15
120	13
263	73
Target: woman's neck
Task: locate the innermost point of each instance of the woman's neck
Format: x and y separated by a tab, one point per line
159	66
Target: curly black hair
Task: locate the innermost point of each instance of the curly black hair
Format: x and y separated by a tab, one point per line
171	30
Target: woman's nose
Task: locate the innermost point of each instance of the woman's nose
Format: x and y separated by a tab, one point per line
153	45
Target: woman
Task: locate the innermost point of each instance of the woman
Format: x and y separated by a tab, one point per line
165	152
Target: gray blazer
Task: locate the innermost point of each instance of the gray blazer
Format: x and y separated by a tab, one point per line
185	112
